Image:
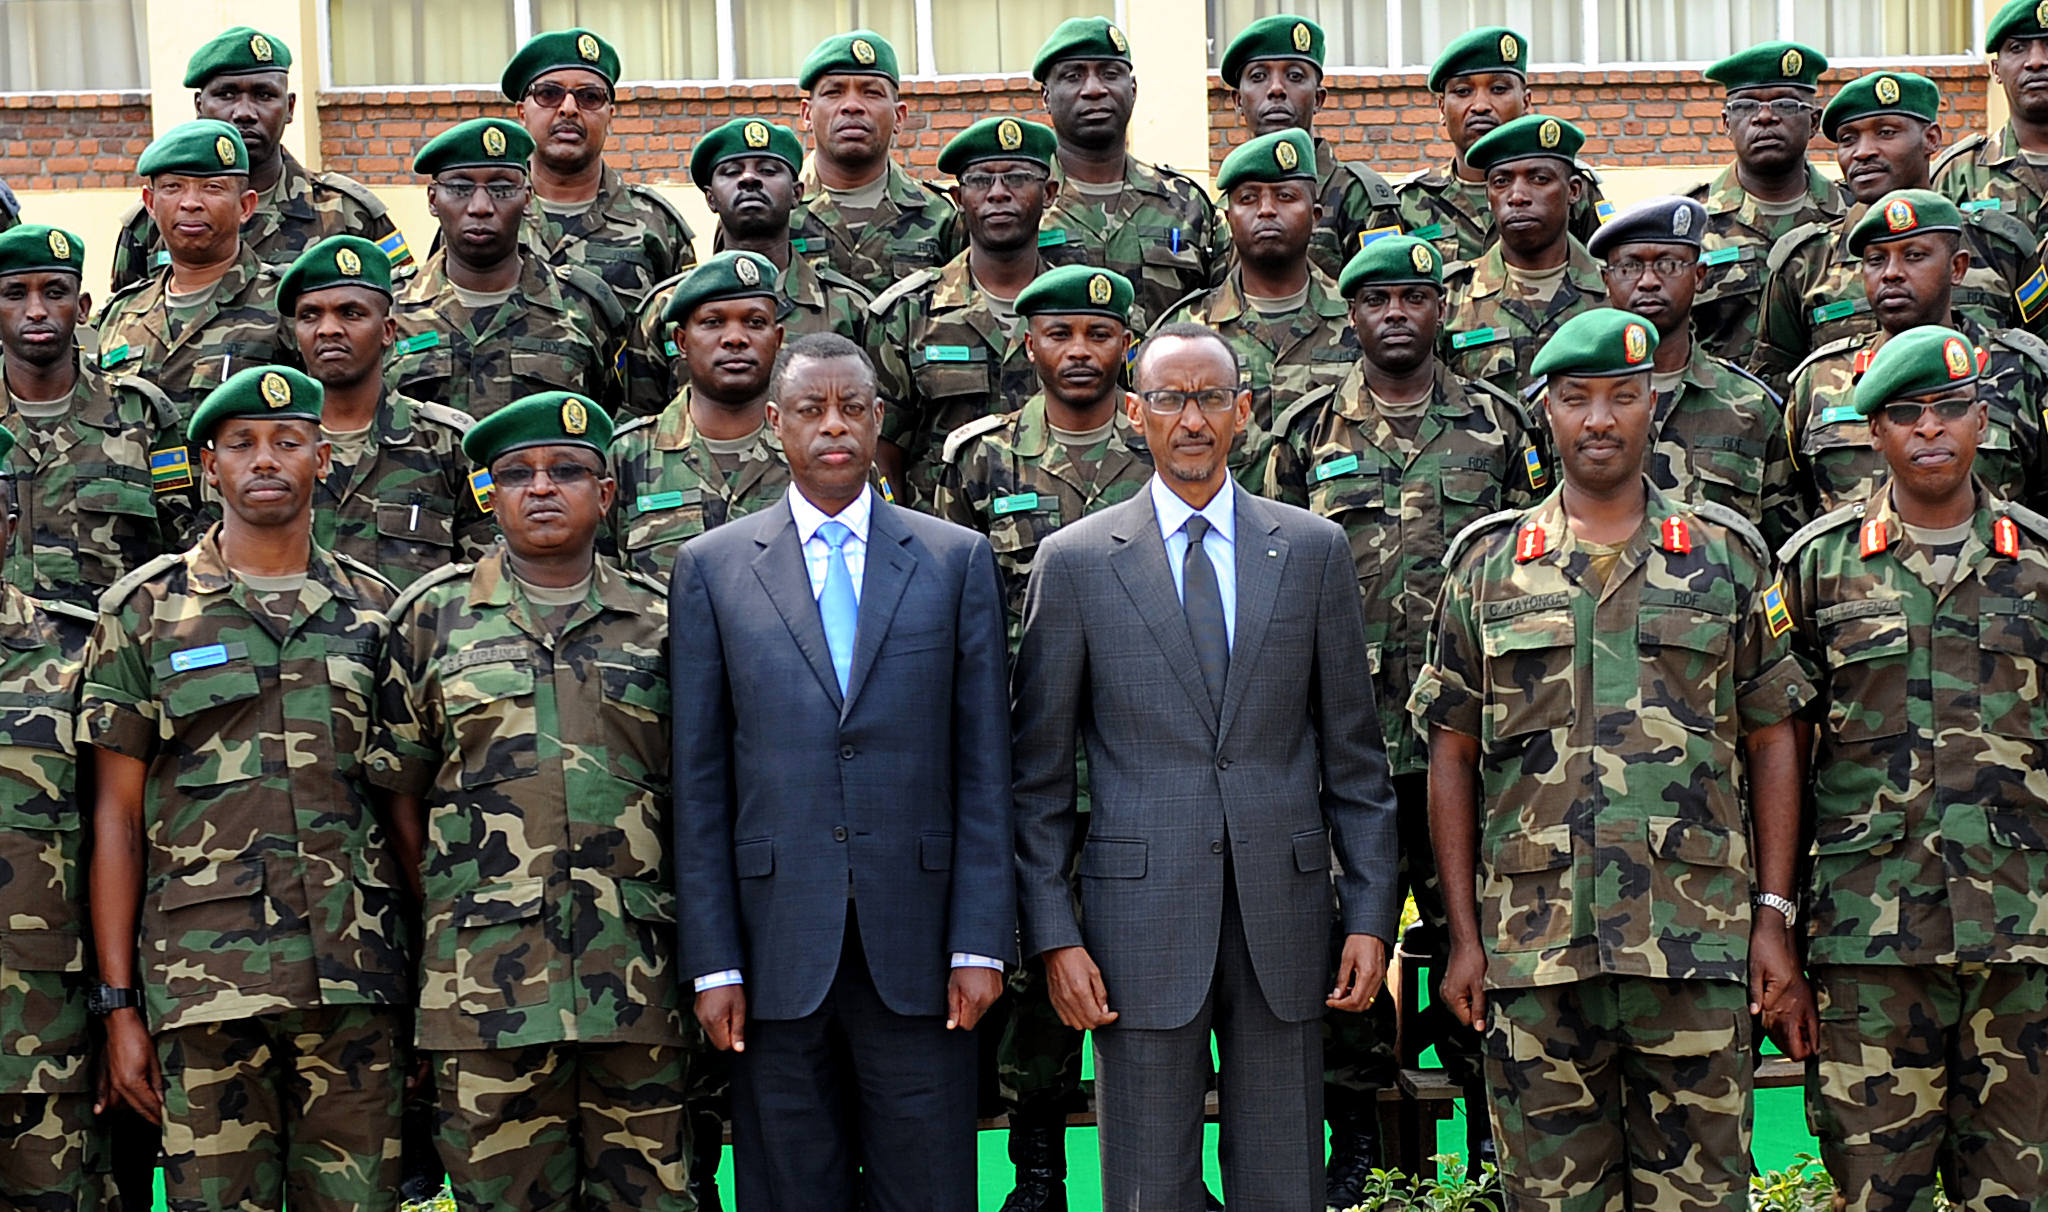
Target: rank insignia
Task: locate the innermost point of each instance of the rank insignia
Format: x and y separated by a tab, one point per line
1529	544
1676	536
2005	538
1875	538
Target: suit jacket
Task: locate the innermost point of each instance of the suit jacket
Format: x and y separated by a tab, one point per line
788	795
1290	768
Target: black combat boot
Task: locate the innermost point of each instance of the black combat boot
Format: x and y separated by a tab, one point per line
707	1145
1038	1148
1354	1154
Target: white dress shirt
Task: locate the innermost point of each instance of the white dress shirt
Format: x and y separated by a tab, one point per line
1220	544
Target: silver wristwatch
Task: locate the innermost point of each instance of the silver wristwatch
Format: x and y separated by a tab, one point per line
1784	905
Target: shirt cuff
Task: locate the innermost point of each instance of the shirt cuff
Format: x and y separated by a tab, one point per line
718	980
962	959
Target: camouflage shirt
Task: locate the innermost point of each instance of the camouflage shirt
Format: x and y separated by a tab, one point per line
672	488
1721	437
296	213
542	755
1988	172
1930	777
102	489
188	357
915	227
269	884
1738	241
414	503
1833	461
562	330
43	925
1453	214
1613	837
1401	502
1357	203
631	237
1490	334
1162	232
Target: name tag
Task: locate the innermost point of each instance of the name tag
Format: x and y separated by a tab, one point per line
414	344
1052	239
656	501
1838	310
947	353
1835	413
118	355
1336	467
1429	231
199	658
1014	504
1723	256
805	244
1975	205
1477	336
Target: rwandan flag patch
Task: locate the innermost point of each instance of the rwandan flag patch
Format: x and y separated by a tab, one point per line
1775	614
170	469
2032	294
480	488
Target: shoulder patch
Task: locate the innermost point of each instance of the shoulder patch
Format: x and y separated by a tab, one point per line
1473	531
655	199
1833	519
441	414
1739	369
1735	524
1965	146
1186	302
610	310
115	300
120	591
1411	179
355	190
1790	243
413	592
2026	517
903	287
1175	175
1516	406
961	436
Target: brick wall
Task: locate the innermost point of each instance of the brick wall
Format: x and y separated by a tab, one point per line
53	141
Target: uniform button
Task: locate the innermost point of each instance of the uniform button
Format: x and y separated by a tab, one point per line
838	833
846	753
1215	847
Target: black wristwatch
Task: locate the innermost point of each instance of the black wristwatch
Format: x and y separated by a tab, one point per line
105	999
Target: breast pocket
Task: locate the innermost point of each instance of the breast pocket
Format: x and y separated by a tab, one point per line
2012	647
1489	355
1685	656
218	706
1530	673
352	687
503	955
1527	892
1734	478
950	394
1175	274
426	374
636	700
539	366
419	532
493	720
1701	876
663	521
1866	670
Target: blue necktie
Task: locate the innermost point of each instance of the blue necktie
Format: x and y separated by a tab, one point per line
838	606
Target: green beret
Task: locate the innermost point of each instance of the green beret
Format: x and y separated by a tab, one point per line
477	143
1391	261
240	51
1526	138
744	137
1077	290
34	249
998	139
1917	362
544	53
1491	48
1284	155
860	53
1768	65
732	274
1603	343
1081	38
549	418
199	148
275	393
2019	19
1902	213
1882	93
1281	36
335	261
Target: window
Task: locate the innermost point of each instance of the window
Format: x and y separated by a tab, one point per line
73	45
414	42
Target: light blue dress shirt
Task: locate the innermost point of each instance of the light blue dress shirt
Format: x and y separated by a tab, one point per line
1220	543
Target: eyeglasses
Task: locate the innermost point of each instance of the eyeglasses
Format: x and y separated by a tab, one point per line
549	95
1784	109
562	475
1021	179
1907	415
499	191
1630	271
1167	402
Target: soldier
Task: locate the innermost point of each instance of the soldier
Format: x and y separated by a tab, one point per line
1481	83
1403	456
257	1012
564	85
2008	171
1885	129
102	480
1147	222
1603	665
548	998
398	496
747	169
1274	68
485	322
859	212
1718	433
1505	305
709	456
1281	315
241	78
948	342
1909	247
1770	189
212	310
1921	606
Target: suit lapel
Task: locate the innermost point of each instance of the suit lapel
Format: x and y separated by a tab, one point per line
1261	558
780	568
1139	556
888	570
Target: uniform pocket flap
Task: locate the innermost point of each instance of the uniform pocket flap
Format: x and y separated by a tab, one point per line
1858	832
1881	632
496	904
935	851
1691	630
43	951
644	686
1698	842
2018	829
1111	858
754	858
648	901
1528	633
113	496
1312	850
482	685
208	676
1543	850
213	882
426	522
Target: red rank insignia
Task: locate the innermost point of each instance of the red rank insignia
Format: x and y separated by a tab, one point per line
1861	362
1677	535
1983	359
1875	539
1529	544
2005	538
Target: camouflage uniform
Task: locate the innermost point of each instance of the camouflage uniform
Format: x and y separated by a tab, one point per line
1739	239
237	327
1927	921
51	1149
915	227
631	237
1357	202
562	330
1162	232
671	488
102	490
548	981
1614	854
1721	437
1987	172
1453	214
1489	335
413	504
272	945
1834	463
298	212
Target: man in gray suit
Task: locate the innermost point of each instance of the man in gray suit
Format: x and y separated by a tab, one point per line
1208	647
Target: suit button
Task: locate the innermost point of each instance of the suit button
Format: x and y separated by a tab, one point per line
1215	847
838	833
1222	763
846	753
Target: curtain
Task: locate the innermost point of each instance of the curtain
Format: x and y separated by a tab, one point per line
1555	28
772	37
992	37
1677	31
1873	29
419	41
1355	31
656	41
73	45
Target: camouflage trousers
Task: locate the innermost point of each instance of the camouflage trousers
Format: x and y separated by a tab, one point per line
1927	1071
1621	1092
1038	1057
300	1108
561	1127
52	1156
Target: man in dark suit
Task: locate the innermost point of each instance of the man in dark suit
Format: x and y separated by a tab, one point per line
1208	646
842	791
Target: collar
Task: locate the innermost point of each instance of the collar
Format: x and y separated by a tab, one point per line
1228	301
207	570
809	517
1544	532
1031	434
490	584
1490	272
1173	513
901	188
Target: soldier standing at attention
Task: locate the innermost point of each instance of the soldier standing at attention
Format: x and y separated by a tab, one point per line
2008	171
398	495
247	909
1771	188
1922	607
859	212
564	85
1274	68
486	322
1147	222
242	79
1602	666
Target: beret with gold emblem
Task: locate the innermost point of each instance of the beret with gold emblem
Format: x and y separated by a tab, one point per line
1284	155
1902	213
860	53
271	393
548	418
1666	220
732	274
998	139
1770	65
1882	93
1077	290
1917	362
1603	343
477	143
1081	38
1488	49
554	51
1526	138
1281	36
35	249
2026	19
240	51
335	261
1392	261
744	137
199	148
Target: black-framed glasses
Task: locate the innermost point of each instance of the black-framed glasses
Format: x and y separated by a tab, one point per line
1019	179
1907	415
1167	402
1784	109
562	475
1631	271
497	191
549	95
